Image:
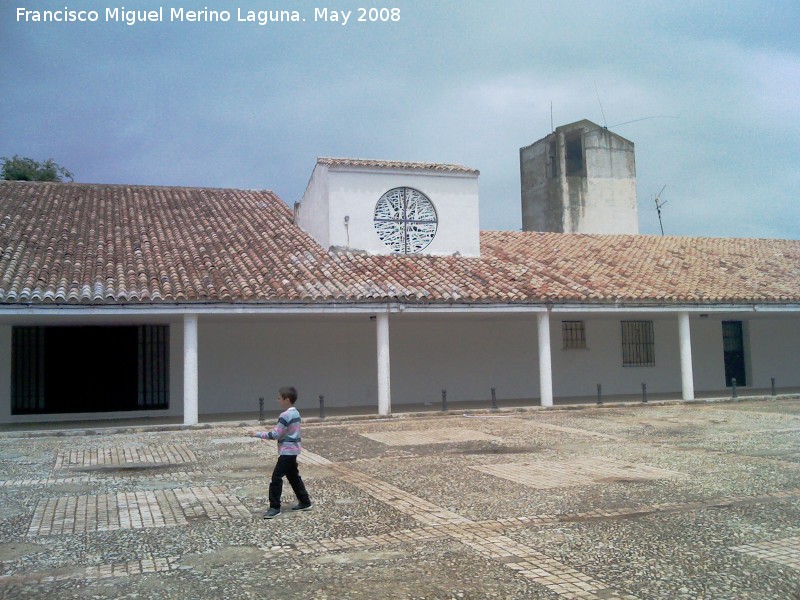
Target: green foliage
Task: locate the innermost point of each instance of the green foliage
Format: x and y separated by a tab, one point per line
18	168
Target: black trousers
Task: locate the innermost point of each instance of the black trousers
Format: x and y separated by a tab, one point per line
286	467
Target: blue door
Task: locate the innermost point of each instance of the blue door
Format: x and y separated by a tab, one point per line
733	347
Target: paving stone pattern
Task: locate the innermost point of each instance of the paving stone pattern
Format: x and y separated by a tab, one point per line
784	551
96	511
580	471
437	436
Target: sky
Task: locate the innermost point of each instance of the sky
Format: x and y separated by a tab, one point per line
709	92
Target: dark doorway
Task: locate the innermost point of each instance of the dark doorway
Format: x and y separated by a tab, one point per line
733	347
89	369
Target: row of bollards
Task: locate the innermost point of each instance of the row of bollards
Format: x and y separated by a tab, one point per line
261	408
494	399
734	394
600	393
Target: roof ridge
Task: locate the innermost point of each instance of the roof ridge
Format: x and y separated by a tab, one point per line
639	236
401	164
74	184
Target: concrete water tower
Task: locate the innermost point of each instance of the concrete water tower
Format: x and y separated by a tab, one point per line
579	179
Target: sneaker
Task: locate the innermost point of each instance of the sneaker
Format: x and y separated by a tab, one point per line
302	506
272	513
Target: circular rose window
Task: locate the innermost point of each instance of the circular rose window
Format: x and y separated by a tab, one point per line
405	220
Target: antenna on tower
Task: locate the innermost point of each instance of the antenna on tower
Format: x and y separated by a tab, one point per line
659	204
602	112
552	127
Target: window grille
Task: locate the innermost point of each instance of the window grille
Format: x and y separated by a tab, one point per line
27	370
638	344
153	354
573	334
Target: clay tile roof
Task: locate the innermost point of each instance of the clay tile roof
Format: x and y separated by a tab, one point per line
393	164
118	244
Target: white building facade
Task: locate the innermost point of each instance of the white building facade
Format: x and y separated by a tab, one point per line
191	302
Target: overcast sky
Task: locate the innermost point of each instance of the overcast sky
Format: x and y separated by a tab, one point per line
709	92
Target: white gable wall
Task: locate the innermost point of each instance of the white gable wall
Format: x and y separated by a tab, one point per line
336	192
312	213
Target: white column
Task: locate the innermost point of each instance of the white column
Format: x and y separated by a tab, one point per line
545	362
190	374
687	376
384	377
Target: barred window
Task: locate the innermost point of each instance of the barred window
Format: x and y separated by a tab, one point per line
573	333
638	344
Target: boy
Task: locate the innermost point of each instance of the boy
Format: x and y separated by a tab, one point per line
287	432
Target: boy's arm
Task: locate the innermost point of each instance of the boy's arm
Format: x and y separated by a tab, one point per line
275	434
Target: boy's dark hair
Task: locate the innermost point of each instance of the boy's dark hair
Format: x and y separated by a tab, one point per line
289	392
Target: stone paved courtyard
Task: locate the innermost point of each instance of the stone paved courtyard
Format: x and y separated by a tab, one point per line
697	500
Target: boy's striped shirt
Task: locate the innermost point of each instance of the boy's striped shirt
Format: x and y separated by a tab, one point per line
287	432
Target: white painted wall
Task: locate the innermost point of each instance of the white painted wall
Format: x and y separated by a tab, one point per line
336	192
577	372
774	352
243	358
707	358
240	362
312	212
467	357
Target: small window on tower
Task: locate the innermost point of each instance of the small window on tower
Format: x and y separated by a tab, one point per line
574	155
552	161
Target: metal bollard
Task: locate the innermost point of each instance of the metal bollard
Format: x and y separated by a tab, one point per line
444	400
321	406
772	379
644	393
599	394
733	387
494	400
261	409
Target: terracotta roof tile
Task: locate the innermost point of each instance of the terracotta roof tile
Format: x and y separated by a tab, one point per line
393	164
114	244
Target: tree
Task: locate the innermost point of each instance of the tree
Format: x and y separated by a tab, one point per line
18	168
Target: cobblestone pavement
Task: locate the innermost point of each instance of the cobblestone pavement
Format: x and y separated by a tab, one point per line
697	500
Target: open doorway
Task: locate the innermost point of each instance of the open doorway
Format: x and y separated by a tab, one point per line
89	369
733	348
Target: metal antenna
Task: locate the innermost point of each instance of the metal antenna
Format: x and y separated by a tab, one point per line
552	127
645	119
659	204
602	112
